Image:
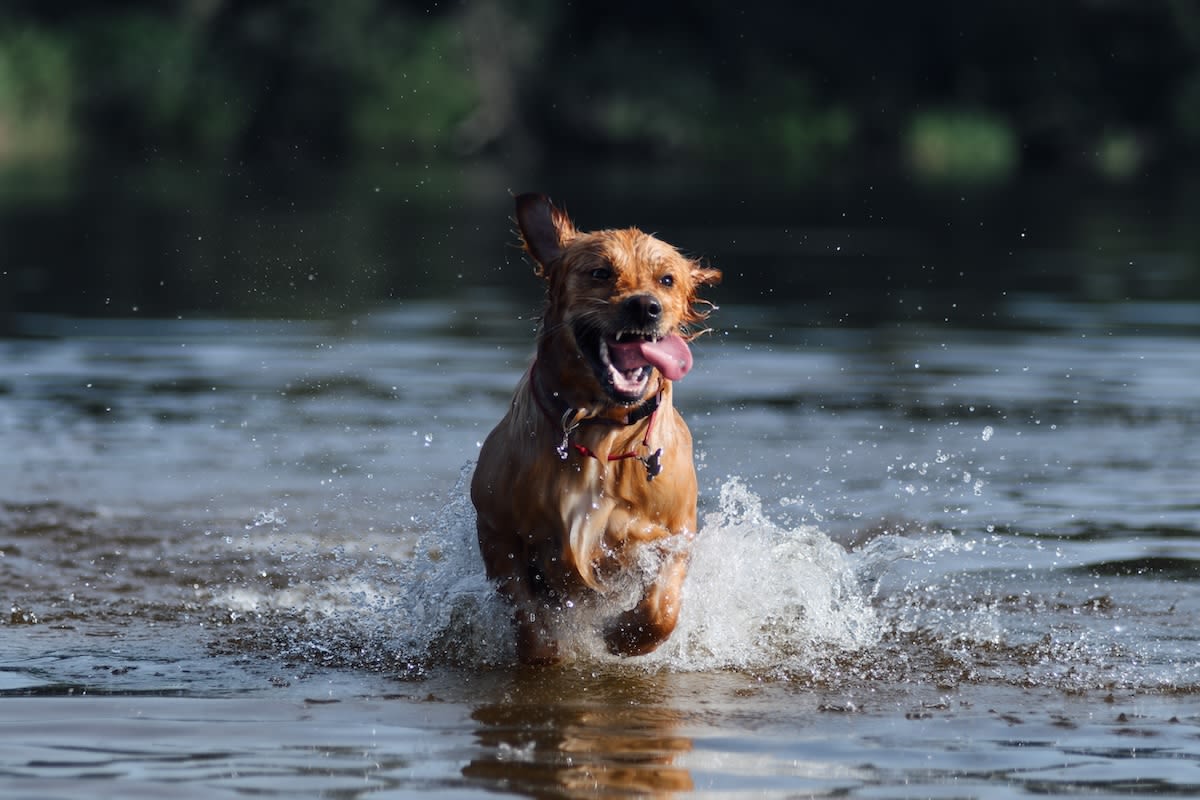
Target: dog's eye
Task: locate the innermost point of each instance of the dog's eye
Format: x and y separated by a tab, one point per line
667	280
601	273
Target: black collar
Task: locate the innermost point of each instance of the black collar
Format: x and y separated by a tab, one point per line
550	403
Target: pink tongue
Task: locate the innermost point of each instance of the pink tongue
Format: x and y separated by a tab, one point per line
670	355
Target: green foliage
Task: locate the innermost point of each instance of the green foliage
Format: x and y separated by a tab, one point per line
808	136
800	88
415	87
788	131
1120	154
960	145
36	94
641	119
1187	108
802	134
619	95
330	78
152	76
685	114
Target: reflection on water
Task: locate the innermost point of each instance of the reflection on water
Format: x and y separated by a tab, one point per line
721	735
570	732
152	240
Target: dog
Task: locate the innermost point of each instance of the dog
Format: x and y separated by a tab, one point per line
592	463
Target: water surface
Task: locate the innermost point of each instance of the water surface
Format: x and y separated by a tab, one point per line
238	558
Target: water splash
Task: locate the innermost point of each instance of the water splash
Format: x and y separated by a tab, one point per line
761	597
758	597
446	609
271	517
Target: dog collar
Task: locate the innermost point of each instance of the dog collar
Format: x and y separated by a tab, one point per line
635	415
572	418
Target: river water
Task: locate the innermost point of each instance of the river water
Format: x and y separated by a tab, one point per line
237	558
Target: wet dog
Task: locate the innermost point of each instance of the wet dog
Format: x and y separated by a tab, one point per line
593	463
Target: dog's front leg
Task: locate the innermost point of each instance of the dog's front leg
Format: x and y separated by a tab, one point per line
513	567
648	624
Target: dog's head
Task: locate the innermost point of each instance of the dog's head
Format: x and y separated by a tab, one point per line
620	301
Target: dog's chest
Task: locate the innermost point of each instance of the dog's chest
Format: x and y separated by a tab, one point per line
596	515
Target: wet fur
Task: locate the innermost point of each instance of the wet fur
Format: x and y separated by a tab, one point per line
552	531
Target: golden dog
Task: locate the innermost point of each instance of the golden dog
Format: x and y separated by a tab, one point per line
592	461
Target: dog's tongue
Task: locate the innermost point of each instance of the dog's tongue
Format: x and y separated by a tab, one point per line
670	355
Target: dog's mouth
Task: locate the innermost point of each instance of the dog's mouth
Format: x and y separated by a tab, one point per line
625	361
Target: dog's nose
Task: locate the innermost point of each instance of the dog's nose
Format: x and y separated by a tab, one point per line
644	308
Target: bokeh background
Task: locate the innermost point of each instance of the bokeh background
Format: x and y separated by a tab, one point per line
856	163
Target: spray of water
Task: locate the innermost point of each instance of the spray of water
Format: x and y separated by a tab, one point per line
758	597
761	597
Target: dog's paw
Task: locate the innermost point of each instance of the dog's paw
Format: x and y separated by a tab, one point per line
636	633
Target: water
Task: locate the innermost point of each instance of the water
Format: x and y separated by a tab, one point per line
238	558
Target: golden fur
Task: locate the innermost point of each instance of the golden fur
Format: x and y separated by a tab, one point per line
557	519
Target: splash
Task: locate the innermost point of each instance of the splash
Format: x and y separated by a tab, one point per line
446	610
758	597
763	597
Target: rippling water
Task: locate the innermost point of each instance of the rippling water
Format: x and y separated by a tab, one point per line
238	558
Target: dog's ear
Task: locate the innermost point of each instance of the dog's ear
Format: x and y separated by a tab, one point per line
545	230
698	309
705	276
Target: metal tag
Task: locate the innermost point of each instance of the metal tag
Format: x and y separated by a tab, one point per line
653	464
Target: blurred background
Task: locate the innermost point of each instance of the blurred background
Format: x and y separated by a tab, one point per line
856	163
